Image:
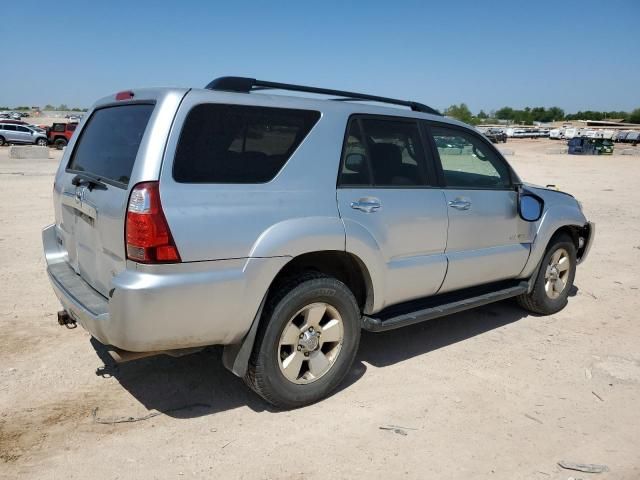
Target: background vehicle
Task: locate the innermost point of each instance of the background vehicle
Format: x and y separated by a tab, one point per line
281	227
590	146
20	134
59	134
556	133
496	135
621	135
9	121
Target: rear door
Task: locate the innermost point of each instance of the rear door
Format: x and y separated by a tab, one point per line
23	134
385	188
486	237
91	217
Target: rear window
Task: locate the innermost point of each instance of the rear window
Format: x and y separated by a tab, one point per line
109	143
238	144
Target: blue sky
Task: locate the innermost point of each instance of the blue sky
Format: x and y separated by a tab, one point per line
573	54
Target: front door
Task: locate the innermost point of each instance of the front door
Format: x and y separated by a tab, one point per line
385	197
487	239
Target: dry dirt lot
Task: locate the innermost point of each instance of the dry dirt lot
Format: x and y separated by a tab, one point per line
491	393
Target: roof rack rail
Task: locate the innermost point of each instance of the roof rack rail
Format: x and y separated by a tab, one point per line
246	85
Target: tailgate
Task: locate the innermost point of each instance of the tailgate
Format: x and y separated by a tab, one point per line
92	191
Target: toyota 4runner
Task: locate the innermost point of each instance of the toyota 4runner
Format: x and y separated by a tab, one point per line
280	227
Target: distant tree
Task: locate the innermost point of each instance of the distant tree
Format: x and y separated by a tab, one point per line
482	115
460	112
62	107
634	117
505	113
49	107
556	114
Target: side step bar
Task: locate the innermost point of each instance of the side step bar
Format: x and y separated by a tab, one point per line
374	324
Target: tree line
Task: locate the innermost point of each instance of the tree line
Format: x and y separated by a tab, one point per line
60	108
528	115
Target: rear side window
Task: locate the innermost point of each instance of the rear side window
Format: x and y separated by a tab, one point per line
238	144
383	153
109	143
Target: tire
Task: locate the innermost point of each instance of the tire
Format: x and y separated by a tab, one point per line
1	141
284	340
60	143
42	142
546	297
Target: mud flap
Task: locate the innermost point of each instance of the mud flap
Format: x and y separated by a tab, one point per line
236	357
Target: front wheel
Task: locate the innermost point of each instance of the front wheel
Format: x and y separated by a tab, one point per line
554	280
1	141
41	142
307	341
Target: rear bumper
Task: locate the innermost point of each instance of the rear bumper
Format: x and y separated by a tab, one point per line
162	307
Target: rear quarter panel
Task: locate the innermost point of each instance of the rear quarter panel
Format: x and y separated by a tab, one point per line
294	213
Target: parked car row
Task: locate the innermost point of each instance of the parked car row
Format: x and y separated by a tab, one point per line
21	133
13	115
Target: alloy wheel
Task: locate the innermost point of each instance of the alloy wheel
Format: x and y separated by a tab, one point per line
310	343
557	273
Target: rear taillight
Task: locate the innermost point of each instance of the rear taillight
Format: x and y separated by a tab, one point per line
147	233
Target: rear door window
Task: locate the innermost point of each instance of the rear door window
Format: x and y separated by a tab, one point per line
383	153
238	144
109	143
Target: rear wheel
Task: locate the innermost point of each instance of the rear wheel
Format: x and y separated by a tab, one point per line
60	143
307	342
554	280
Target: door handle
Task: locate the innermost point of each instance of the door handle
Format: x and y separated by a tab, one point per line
460	204
367	205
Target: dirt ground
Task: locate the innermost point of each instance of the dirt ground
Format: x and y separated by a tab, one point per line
491	393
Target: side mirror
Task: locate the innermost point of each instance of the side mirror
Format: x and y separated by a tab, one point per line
530	207
354	162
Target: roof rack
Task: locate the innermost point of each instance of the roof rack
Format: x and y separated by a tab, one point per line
246	85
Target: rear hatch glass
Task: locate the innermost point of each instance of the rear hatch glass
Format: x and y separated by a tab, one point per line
109	143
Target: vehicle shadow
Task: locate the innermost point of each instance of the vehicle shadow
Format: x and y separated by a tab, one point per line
190	386
387	348
198	384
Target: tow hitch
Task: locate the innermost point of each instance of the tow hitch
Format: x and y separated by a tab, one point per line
66	320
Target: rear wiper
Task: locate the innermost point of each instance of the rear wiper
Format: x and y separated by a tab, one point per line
91	181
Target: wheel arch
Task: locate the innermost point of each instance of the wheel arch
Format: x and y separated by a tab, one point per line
557	220
344	266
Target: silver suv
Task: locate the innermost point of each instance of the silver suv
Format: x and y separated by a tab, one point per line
21	134
282	226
